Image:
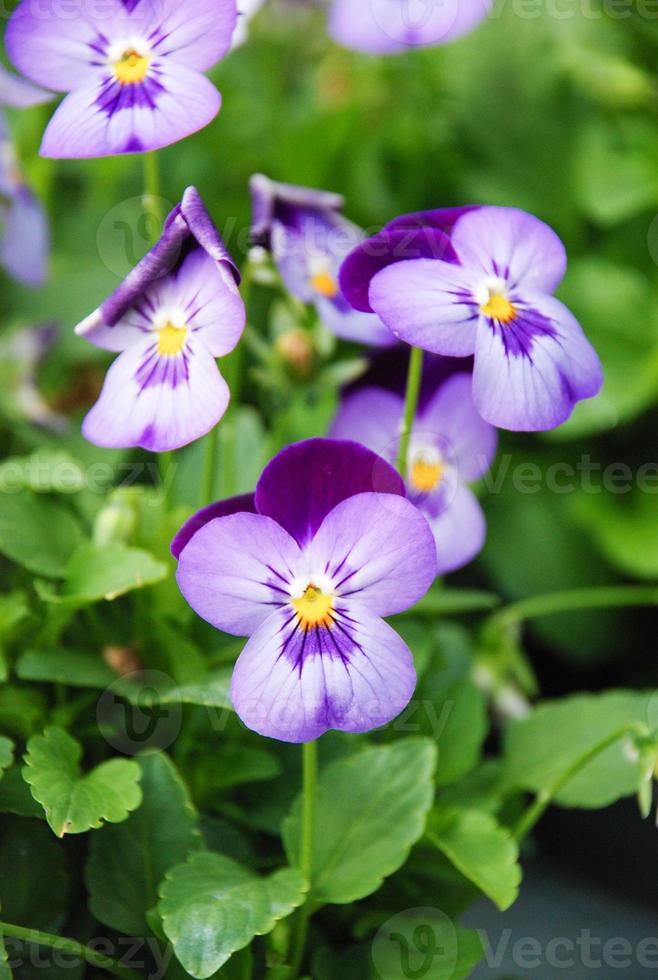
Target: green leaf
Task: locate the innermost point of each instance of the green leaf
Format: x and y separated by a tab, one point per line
43	472
625	529
542	748
6	753
212	907
371	810
74	802
5	969
128	861
15	796
108	571
486	853
72	667
13	610
38	533
34	882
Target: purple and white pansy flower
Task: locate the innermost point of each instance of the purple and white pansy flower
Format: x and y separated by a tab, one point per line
309	237
307	567
133	69
450	447
490	295
173	315
392	26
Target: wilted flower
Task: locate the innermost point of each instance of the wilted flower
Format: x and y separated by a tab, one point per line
487	293
450	446
173	315
309	238
307	567
132	68
390	26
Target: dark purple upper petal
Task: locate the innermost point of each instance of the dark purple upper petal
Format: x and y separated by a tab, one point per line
422	235
307	480
189	224
244	504
275	201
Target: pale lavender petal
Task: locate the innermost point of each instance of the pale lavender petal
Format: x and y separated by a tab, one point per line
348	324
305	481
459	528
245	503
158	403
104	118
202	228
26	240
378	551
236	570
529	374
451	414
513	245
196	33
428	304
293	685
19	93
372	417
389	26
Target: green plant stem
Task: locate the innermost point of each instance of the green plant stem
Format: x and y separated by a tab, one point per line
452	602
410	406
152	206
309	799
211	448
544	798
64	945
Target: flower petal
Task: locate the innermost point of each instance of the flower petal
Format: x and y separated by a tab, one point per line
428	304
196	33
26	239
459	528
529	375
103	118
349	324
388	26
512	244
244	504
378	552
372	417
294	686
237	569
19	93
451	415
305	481
158	403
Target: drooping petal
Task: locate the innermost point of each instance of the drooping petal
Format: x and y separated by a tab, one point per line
305	481
237	569
293	685
452	416
245	503
158	403
196	33
529	374
349	324
104	118
378	551
513	245
372	417
427	304
19	93
26	240
268	197
389	26
458	526
202	228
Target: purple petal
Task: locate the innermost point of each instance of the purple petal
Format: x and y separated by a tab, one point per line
293	685
429	304
158	403
245	504
459	528
236	570
203	230
372	417
269	197
512	244
378	551
26	240
19	93
389	26
104	118
452	416
529	374
196	33
349	324
307	480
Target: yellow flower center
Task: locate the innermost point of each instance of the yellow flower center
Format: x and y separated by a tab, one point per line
498	307
131	68
171	340
314	608
325	285
426	474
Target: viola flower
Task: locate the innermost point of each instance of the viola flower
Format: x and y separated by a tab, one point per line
132	68
25	240
174	314
307	567
392	26
490	296
247	9
309	237
450	446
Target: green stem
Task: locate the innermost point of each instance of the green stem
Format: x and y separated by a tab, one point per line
544	799
211	449
410	405
63	945
452	602
152	205
309	799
